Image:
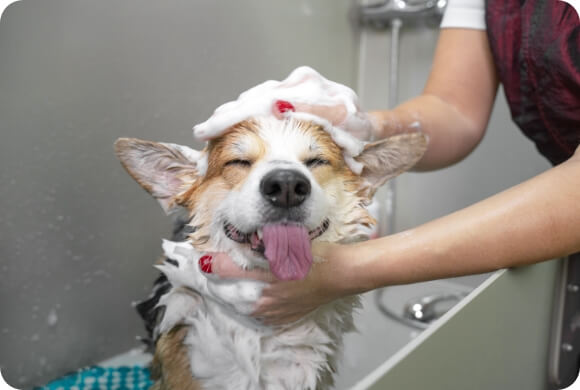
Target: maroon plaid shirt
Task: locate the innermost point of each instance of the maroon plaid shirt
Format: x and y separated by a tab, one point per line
536	47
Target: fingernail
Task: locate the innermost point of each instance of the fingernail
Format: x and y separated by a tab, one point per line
205	263
283	106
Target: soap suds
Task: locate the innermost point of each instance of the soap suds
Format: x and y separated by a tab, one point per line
305	86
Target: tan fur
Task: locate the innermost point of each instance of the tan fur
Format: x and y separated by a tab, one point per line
225	149
170	366
204	195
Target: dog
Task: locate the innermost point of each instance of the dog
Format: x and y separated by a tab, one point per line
266	185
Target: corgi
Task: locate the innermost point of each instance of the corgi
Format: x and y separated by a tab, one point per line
261	192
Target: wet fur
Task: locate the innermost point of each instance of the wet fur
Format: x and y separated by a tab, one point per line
302	355
170	366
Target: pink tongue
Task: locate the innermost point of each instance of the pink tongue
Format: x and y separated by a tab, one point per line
287	250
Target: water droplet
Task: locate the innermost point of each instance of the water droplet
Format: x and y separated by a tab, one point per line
35	337
52	318
102	273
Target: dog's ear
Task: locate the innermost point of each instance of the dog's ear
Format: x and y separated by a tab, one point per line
163	169
382	160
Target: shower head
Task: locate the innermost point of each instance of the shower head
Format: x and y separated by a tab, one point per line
383	13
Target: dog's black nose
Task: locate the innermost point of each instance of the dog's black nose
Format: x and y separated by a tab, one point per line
285	187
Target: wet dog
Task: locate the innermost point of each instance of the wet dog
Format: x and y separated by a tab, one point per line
261	192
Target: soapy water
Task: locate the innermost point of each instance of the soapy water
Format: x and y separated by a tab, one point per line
305	86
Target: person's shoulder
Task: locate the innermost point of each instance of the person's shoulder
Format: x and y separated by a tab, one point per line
464	14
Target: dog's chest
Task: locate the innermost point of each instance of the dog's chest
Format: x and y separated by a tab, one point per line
226	354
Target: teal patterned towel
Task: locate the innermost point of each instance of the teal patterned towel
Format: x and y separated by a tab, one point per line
103	378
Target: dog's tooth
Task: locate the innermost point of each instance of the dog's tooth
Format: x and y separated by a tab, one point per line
254	240
259	231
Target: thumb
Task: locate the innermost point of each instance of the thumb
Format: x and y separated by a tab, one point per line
223	266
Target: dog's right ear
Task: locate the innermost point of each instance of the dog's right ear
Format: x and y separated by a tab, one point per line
382	160
163	169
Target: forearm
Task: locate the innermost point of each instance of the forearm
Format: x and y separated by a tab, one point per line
452	135
534	221
456	102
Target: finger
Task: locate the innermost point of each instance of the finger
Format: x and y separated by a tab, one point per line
273	318
271	312
267	308
280	107
335	114
223	266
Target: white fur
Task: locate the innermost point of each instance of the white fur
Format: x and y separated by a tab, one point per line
231	351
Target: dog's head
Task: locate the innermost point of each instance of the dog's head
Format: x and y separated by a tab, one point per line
266	188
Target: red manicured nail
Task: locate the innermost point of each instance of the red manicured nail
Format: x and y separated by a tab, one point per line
283	106
205	263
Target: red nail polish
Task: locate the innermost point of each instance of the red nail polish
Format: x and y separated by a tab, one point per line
205	263
283	106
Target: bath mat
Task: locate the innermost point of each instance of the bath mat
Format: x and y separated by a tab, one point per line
103	378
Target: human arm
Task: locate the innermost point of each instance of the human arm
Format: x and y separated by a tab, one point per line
456	103
449	111
531	222
453	108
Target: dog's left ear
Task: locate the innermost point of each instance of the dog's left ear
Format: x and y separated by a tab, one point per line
163	169
389	157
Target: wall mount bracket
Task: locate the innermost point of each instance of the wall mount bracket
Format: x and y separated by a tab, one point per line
565	346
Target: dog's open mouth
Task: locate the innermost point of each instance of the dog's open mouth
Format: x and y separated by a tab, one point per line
286	246
255	239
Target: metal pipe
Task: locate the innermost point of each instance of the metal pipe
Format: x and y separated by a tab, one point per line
391	200
383	13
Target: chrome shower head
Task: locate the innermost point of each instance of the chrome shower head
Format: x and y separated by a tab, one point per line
383	13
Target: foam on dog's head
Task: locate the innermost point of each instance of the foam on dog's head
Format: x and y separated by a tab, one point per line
303	85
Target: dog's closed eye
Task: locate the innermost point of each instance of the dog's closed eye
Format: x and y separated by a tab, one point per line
316	162
239	163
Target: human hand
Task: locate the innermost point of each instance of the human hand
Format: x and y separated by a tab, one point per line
304	94
359	124
284	302
186	267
